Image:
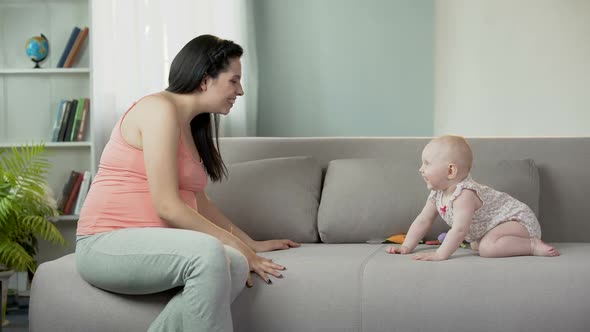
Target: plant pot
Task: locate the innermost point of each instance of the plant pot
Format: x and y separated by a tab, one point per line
4	277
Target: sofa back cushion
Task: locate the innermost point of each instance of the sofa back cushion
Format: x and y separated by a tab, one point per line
371	199
272	198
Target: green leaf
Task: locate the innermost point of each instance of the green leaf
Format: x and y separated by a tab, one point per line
24	211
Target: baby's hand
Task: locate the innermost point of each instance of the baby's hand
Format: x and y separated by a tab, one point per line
428	256
398	250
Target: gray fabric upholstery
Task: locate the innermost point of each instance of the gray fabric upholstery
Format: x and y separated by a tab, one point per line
518	178
468	293
354	287
358	287
563	164
320	291
62	301
272	198
365	199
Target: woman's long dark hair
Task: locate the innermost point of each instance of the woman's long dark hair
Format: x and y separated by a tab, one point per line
205	55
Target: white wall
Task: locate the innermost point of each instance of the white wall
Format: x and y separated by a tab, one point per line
345	67
512	68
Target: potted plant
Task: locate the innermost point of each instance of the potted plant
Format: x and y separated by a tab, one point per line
26	206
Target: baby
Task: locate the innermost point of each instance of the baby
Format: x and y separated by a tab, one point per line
496	224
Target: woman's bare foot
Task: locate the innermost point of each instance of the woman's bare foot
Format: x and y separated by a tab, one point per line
540	248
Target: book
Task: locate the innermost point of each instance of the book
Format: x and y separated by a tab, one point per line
77	120
81	130
68	48
58	120
83	192
73	55
66	191
64	121
71	201
70	122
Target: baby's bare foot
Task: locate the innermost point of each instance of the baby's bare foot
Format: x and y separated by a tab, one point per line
540	248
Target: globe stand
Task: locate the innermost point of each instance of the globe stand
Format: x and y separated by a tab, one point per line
36	63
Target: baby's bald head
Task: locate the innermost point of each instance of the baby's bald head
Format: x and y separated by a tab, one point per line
454	150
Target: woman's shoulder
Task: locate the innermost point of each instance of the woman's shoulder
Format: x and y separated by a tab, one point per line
155	109
151	115
156	103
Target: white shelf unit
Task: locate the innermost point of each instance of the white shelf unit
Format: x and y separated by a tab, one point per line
29	97
48	144
41	71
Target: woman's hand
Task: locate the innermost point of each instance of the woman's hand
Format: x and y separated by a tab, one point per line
263	266
262	246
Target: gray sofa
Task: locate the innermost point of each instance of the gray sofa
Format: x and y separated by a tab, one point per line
337	194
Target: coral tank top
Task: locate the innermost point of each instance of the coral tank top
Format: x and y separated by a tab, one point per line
119	196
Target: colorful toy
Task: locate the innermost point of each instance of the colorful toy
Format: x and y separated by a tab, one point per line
442	236
397	238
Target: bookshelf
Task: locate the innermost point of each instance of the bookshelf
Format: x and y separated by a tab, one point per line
29	98
43	71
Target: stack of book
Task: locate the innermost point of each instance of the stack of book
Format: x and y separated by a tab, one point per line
72	49
74	193
71	120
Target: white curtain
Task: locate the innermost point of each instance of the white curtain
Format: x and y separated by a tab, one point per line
134	42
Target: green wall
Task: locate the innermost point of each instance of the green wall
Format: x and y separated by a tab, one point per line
345	67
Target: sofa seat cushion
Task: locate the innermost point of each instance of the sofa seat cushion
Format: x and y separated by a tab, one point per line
272	198
320	291
367	199
353	287
471	293
62	301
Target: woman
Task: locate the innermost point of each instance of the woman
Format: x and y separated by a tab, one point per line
146	225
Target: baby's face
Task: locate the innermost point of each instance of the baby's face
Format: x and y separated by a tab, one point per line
434	167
